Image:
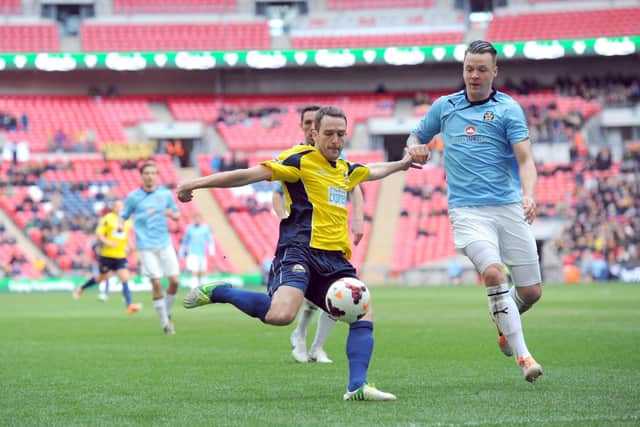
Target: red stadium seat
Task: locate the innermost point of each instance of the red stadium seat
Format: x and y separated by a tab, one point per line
564	25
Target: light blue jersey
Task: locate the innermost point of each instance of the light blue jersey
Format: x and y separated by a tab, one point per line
197	240
150	221
479	161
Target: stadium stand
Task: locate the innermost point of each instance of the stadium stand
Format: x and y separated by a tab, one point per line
378	4
347	41
173	6
58	203
554	25
98	37
23	38
11	7
250	123
71	123
423	233
15	262
603	233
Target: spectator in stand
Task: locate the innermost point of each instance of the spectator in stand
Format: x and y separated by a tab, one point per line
59	141
24	122
603	159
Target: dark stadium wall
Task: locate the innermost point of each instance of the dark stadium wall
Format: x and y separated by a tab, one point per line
300	80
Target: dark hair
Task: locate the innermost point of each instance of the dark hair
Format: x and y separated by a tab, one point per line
310	107
146	164
328	111
481	46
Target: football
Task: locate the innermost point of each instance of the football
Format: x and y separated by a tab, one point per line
347	299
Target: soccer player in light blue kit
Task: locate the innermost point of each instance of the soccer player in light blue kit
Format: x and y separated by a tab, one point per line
197	243
151	206
491	178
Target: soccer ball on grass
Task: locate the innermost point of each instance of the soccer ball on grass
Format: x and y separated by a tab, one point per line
347	299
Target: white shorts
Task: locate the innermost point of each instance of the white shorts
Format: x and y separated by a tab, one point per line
196	263
503	226
159	262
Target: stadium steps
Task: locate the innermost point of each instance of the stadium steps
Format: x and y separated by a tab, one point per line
161	112
26	244
403	108
70	44
220	225
360	138
378	261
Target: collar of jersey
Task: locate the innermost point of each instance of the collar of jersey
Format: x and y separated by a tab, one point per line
492	96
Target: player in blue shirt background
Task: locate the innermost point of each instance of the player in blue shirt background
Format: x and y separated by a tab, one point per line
151	206
197	244
491	177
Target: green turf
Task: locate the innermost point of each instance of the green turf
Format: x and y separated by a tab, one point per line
68	363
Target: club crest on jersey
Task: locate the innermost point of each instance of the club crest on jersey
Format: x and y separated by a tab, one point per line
488	116
298	268
470	130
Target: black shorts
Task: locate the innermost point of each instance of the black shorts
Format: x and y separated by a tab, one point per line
310	270
107	264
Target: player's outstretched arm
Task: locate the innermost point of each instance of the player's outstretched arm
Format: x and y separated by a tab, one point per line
381	170
235	178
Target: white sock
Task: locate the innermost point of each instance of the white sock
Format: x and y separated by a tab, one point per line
161	309
325	326
169	300
505	314
304	319
522	306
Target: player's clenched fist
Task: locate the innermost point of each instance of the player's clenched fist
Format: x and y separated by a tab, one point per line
184	195
420	153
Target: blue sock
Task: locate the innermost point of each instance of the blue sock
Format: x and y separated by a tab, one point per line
126	293
359	350
106	286
89	283
255	304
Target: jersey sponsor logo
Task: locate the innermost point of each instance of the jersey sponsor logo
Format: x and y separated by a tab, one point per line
470	130
322	172
298	268
337	196
488	116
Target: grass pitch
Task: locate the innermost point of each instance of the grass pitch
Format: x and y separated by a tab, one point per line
73	363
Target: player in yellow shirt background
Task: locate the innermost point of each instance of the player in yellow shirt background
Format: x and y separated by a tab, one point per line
113	233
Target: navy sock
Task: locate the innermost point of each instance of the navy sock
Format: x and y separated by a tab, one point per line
89	283
126	293
359	350
255	304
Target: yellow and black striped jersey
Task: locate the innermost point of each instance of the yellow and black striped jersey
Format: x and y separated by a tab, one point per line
315	191
116	229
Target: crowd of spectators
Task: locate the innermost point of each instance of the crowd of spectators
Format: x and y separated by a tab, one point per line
268	116
604	235
83	141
